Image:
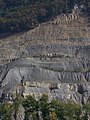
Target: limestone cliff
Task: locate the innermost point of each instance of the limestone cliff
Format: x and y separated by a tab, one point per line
57	51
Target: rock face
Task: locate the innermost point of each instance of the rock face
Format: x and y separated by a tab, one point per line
55	52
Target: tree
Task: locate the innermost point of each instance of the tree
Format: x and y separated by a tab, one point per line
31	107
21	15
5	111
58	107
72	111
86	110
44	107
17	101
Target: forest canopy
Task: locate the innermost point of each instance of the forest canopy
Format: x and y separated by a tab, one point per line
43	109
21	15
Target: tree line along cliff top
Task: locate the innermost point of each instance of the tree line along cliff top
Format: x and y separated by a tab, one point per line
22	15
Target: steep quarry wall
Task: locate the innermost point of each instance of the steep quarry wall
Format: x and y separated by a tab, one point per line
56	52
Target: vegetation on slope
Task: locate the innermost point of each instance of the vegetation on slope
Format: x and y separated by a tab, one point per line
20	15
46	110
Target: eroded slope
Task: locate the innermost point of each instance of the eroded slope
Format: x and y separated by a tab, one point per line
54	52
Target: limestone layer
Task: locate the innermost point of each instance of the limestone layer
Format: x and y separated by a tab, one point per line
56	52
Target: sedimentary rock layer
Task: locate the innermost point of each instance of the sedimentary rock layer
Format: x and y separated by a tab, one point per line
57	51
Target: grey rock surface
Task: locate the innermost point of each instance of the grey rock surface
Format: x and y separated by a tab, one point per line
54	52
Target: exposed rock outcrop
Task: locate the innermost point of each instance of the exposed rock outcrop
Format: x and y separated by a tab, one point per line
57	51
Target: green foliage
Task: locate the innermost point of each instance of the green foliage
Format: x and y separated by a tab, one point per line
72	111
58	107
31	107
16	104
5	111
20	15
87	108
49	110
44	107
